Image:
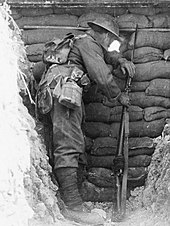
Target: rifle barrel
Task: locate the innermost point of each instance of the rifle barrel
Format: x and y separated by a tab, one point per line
133	51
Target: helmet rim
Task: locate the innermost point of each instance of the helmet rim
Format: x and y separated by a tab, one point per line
107	25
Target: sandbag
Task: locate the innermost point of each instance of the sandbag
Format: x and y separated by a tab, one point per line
130	21
96	129
70	10
148	11
140	128
107	161
164	10
91	16
90	192
144	54
97	112
160	20
107	151
141	151
48	20
35	12
108	146
148	71
103	177
159	87
141	142
38	69
100	9
34	58
16	16
93	193
136	129
135	86
153	113
160	40
34	49
104	146
142	100
44	35
133	172
137	172
135	113
15	13
138	86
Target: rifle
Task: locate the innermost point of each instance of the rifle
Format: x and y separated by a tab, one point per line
122	150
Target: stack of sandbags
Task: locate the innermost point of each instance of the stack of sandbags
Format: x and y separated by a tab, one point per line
152	70
48	20
103	121
150	106
101	128
148	11
129	20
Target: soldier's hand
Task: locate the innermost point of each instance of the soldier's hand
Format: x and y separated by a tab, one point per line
127	66
124	99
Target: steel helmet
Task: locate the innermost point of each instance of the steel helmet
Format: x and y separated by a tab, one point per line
106	23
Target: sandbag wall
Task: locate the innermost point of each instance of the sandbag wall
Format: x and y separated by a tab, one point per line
150	103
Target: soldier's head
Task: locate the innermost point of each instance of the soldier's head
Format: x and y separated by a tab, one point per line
105	30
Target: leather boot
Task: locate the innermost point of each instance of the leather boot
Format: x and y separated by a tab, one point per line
73	210
67	180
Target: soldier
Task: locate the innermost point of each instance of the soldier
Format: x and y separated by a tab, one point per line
88	55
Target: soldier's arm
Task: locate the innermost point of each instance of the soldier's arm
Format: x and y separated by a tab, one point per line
97	69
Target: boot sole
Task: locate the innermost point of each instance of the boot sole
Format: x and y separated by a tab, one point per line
93	219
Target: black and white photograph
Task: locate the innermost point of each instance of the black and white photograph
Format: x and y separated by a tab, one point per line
85	112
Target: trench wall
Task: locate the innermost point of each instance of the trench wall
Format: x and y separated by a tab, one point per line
150	91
